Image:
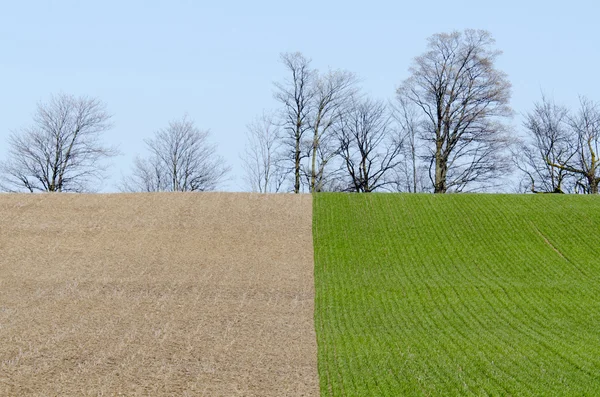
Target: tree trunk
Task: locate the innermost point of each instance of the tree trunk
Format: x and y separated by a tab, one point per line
594	166
441	169
297	167
414	167
313	168
593	181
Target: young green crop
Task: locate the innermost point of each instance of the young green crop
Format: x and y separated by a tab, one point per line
457	294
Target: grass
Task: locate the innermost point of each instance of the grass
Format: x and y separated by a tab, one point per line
457	294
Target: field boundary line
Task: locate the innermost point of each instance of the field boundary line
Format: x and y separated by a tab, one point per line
538	231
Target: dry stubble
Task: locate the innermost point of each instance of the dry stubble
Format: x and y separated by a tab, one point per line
157	294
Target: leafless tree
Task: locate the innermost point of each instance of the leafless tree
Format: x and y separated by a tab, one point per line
262	155
463	99
62	151
332	91
310	107
181	159
411	173
583	161
549	143
296	95
369	145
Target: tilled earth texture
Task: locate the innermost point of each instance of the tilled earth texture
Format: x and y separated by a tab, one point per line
157	294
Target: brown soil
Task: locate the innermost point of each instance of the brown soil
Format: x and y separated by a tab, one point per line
157	294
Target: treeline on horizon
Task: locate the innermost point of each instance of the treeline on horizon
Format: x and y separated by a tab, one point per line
445	131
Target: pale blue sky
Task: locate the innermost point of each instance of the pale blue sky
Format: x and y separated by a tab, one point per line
153	61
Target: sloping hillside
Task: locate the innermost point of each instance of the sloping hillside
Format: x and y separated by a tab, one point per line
156	294
457	294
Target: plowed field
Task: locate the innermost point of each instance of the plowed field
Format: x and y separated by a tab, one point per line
157	294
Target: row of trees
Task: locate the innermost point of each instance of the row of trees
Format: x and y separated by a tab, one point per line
63	152
561	154
447	130
326	135
444	132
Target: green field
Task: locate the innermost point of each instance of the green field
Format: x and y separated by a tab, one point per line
457	294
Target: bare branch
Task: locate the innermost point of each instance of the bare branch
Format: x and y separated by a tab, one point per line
333	91
561	153
311	103
262	156
62	150
181	159
463	99
412	170
296	95
548	142
369	146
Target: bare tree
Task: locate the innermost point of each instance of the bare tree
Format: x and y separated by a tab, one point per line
262	157
549	142
369	145
296	95
181	159
411	172
583	161
464	99
62	151
310	107
332	91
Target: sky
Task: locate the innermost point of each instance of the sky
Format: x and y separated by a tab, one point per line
154	61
